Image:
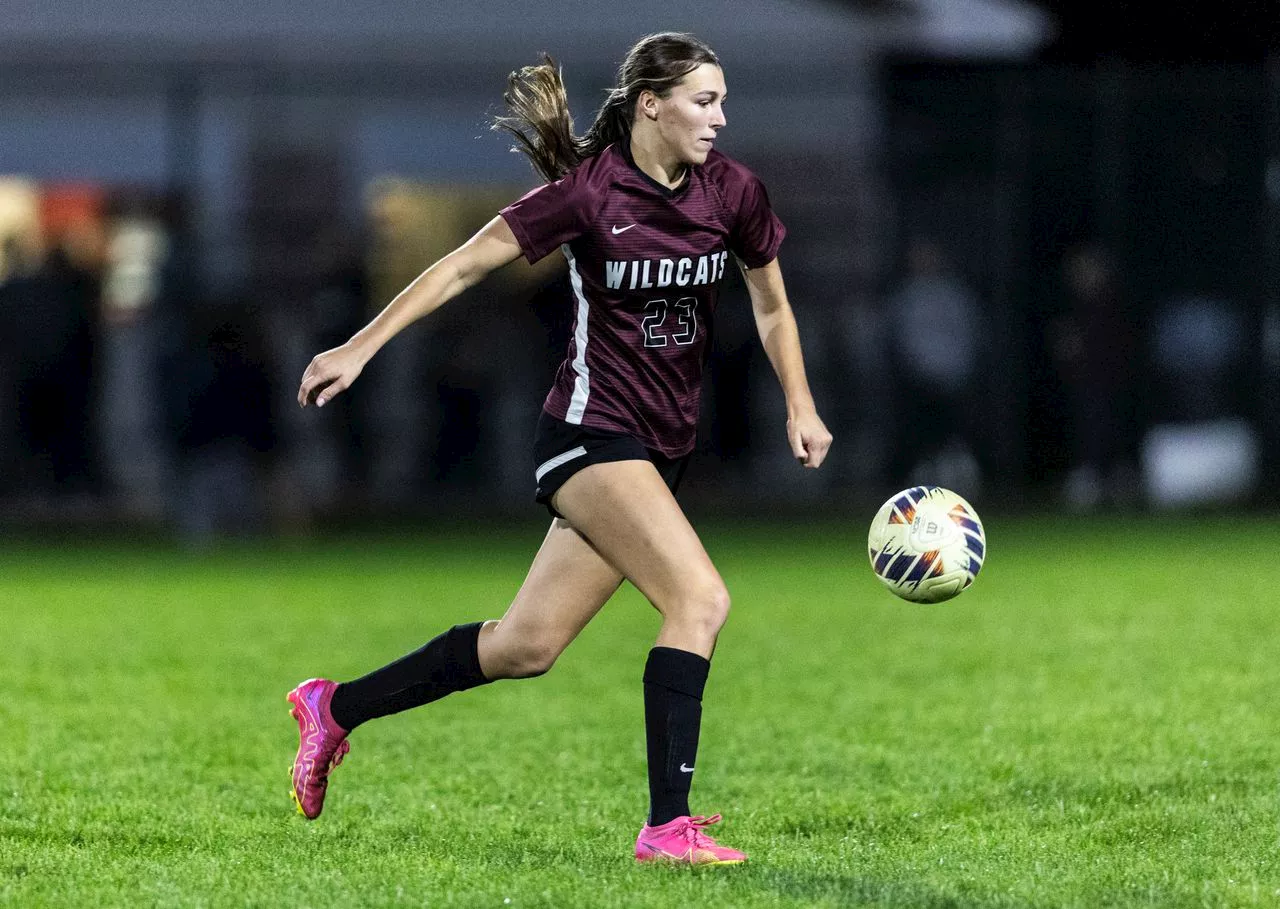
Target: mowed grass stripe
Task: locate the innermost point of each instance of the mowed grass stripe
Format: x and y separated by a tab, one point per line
1091	725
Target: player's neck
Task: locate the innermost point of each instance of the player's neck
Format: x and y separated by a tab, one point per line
652	158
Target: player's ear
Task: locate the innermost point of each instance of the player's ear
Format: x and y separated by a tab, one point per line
647	105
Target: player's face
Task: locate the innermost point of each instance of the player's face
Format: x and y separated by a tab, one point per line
689	118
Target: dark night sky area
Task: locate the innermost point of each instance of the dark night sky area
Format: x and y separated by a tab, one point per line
1172	32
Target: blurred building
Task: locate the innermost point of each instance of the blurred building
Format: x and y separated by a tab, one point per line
301	167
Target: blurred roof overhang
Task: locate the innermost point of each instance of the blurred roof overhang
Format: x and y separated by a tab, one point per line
348	32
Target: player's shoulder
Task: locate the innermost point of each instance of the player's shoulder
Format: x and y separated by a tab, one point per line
598	171
587	183
727	172
581	188
734	182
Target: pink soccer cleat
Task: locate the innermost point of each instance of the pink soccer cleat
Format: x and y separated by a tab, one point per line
323	744
683	841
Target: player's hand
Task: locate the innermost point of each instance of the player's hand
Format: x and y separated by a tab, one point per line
329	374
809	438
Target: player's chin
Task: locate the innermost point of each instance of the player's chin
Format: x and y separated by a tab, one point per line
700	151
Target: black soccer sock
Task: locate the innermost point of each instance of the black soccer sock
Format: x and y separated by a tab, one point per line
673	684
447	663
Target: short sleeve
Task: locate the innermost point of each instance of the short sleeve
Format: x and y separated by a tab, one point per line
549	215
757	233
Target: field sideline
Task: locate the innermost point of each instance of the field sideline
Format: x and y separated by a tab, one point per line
1093	724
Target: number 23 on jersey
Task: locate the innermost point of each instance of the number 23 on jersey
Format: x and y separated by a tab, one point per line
682	327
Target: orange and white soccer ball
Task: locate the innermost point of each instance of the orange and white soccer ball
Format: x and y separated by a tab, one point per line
926	544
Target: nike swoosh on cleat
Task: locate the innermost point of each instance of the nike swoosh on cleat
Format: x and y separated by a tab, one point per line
621	230
665	854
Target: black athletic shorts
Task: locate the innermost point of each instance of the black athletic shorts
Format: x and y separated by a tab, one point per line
561	449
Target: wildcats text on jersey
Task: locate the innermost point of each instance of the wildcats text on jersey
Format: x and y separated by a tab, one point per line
682	272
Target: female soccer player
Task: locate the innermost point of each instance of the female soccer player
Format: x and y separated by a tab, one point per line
646	213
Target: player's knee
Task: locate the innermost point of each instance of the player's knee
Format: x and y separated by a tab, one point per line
506	655
718	612
528	659
708	609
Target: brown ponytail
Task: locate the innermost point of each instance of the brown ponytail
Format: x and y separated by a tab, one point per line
539	116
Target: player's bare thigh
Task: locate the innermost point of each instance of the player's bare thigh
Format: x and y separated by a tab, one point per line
635	523
567	584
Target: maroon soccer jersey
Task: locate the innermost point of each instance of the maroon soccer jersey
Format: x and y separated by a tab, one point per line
645	264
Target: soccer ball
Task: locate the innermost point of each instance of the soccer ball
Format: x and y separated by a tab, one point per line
926	544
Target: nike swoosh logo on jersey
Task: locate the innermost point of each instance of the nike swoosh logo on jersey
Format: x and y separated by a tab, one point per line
621	230
684	768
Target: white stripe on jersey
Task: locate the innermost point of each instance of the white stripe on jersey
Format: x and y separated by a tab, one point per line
581	384
552	463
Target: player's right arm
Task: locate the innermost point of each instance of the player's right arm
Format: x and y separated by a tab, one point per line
334	370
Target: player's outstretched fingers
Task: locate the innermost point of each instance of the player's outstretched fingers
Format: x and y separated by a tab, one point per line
330	374
328	392
312	381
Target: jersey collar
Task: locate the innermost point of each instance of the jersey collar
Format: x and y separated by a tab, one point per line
624	149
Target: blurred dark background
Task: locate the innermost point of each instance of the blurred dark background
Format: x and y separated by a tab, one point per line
1034	253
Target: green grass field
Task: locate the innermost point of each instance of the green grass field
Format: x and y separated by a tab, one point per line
1093	724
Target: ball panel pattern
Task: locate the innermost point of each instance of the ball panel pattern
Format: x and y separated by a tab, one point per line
926	544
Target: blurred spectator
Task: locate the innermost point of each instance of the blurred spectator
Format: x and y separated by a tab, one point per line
145	288
18	266
1095	347
934	334
1199	347
299	255
221	418
859	333
439	407
1200	449
409	227
47	326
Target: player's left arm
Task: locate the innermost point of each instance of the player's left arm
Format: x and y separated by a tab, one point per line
780	337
